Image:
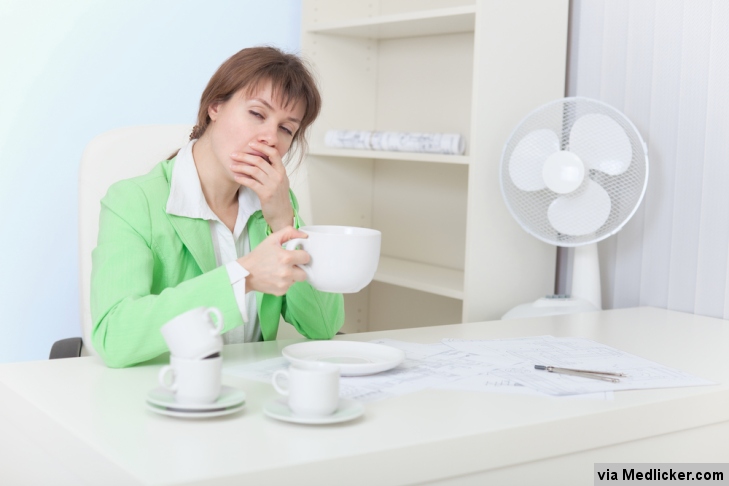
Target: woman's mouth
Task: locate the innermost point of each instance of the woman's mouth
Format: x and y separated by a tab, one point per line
261	155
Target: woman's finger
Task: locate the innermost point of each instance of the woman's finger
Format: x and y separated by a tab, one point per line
270	152
251	160
249	182
299	257
285	234
250	171
299	275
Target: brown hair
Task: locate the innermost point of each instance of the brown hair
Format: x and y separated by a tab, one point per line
291	82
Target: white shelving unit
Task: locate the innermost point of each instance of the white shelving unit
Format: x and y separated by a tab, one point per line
450	251
382	154
406	24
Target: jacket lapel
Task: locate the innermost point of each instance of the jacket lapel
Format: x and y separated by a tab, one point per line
195	235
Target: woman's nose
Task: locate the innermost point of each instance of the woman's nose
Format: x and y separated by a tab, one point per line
268	135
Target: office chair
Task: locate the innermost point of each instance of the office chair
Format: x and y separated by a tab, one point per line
108	158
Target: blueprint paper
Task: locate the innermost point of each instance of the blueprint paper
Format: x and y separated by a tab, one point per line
517	357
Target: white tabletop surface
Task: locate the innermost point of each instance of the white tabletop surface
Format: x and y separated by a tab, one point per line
90	422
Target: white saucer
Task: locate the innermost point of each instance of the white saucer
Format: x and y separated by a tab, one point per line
229	397
279	409
353	358
174	412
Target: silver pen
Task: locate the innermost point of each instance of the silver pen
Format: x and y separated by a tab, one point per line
595	375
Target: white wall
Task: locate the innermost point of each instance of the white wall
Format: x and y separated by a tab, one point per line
69	70
665	64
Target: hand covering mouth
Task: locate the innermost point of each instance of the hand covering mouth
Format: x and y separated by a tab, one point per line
261	155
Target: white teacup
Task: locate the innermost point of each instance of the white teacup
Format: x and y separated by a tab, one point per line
343	258
192	380
194	334
312	389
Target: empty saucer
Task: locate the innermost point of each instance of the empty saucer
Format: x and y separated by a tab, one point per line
353	358
347	410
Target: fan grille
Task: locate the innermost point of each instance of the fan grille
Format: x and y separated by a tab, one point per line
625	190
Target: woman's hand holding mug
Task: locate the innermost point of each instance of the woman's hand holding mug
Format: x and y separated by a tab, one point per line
271	268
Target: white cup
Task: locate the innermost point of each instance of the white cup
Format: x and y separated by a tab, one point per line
343	258
192	380
194	334
312	390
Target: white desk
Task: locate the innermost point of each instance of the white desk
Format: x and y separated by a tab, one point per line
76	422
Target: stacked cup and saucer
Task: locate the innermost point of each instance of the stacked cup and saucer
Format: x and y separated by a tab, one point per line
190	386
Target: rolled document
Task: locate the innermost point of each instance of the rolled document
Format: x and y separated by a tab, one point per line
434	143
351	139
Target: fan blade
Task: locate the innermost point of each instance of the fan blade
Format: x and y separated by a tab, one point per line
580	213
527	159
601	143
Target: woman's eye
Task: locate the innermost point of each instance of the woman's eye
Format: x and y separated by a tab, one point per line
287	130
255	113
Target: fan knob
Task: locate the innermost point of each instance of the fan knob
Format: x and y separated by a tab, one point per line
563	172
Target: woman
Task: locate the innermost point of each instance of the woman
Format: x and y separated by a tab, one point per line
205	228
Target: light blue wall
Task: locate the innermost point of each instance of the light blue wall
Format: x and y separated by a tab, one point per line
69	70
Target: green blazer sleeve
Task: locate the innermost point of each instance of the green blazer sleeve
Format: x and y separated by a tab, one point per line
134	291
315	314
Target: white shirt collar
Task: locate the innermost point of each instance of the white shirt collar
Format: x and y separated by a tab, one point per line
187	198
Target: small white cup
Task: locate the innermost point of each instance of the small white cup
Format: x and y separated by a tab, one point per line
192	380
344	259
194	334
312	390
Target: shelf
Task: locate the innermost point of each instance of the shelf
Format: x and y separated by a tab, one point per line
419	276
412	24
381	154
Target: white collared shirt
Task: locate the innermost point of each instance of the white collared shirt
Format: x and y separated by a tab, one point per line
187	199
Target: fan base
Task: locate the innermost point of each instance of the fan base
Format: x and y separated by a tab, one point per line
551	305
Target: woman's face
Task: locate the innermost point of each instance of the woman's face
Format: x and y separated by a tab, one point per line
257	117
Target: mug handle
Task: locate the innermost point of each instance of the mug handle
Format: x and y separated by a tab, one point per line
274	380
219	319
162	378
292	244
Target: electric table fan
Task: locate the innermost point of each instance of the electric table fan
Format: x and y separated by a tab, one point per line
572	173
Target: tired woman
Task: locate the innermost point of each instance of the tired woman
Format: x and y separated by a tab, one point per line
206	227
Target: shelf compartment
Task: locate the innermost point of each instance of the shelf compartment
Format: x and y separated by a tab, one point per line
381	154
419	276
412	24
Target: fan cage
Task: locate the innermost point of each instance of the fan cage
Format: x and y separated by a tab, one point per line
625	190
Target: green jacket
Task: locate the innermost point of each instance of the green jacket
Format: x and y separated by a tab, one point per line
150	266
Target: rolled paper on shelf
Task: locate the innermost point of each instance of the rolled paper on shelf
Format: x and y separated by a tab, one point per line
434	143
351	139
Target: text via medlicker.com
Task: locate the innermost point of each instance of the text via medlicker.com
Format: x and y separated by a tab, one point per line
661	473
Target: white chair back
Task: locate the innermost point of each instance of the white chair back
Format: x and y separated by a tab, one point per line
108	158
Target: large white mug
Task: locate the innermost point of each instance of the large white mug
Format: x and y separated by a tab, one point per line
312	389
194	334
192	380
344	259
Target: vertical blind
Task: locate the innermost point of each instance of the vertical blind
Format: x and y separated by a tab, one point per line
665	64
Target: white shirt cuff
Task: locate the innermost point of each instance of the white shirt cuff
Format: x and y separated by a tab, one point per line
237	275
